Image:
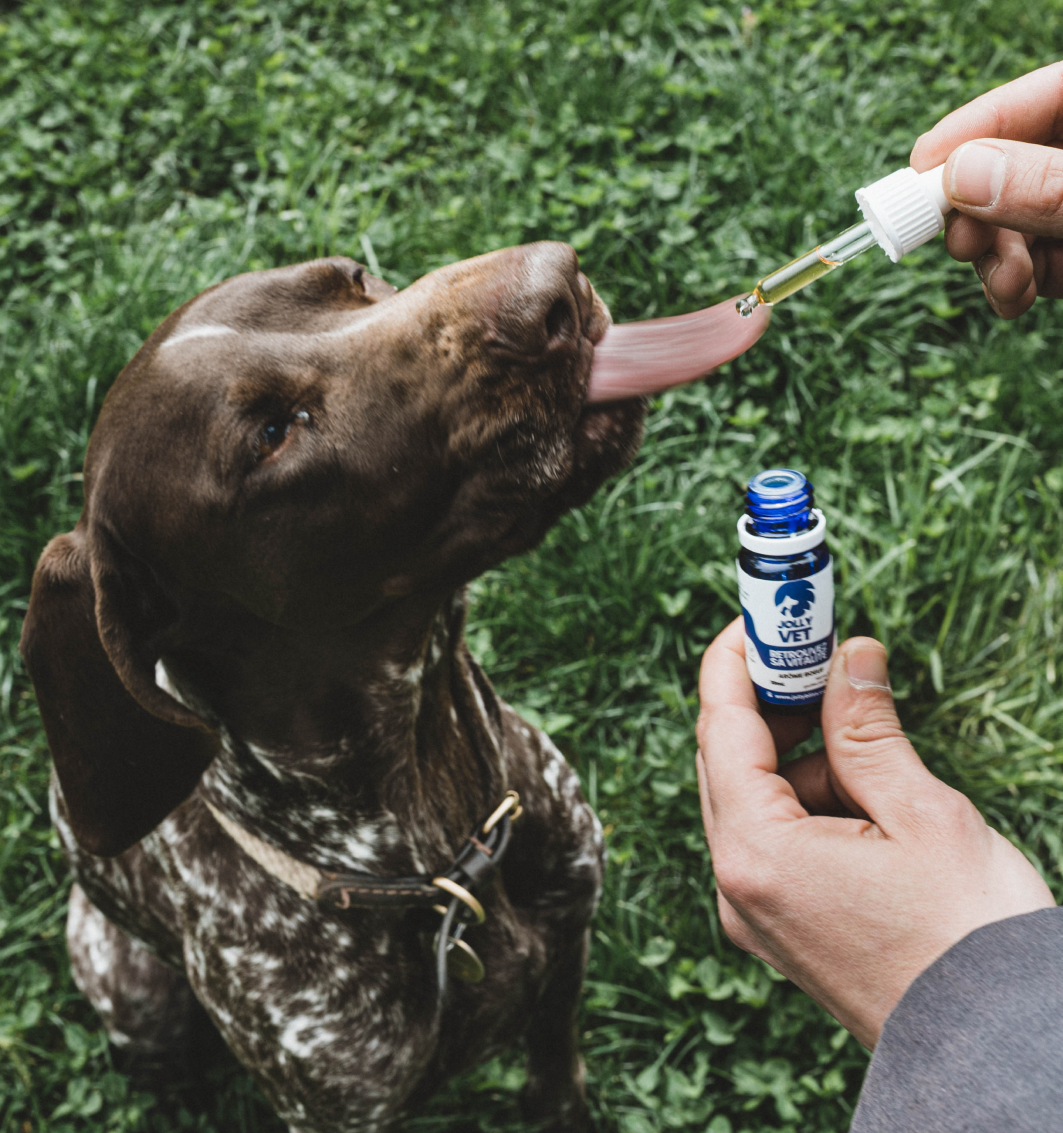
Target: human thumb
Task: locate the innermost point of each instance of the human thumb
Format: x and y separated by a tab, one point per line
869	754
1013	185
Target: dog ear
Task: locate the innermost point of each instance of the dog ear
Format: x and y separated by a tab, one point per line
126	753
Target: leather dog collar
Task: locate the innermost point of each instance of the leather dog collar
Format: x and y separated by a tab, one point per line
475	862
448	893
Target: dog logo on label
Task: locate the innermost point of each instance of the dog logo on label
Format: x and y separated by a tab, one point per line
795	598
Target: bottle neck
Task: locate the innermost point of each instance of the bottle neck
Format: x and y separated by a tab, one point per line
782	545
773	517
780	527
779	504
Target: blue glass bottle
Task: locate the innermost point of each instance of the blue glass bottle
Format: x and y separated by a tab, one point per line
786	587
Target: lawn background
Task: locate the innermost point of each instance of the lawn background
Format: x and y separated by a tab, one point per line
148	151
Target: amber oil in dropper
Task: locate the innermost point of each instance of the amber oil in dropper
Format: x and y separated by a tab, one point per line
806	269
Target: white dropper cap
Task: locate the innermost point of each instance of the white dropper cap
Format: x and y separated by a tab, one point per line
905	209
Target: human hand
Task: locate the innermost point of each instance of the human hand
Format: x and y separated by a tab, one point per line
849	871
1004	174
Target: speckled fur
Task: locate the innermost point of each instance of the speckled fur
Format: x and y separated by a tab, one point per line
335	1013
278	630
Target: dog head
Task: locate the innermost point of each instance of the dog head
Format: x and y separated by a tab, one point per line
305	445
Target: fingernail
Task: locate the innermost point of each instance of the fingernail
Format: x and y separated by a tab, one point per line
985	267
977	174
866	668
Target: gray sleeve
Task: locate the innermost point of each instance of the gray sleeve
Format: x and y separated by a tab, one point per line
976	1043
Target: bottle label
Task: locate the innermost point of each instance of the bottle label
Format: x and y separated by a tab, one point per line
789	634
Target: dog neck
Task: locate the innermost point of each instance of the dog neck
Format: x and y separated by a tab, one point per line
373	749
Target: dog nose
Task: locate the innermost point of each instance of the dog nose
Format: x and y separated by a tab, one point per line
543	300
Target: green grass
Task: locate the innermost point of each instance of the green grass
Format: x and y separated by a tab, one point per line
149	151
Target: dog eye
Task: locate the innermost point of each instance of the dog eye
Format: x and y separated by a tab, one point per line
273	436
275	433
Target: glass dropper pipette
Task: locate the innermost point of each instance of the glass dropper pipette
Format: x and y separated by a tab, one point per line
811	266
902	211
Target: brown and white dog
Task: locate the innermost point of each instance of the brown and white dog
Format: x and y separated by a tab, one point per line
260	612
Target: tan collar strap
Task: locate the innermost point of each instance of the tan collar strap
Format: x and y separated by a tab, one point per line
303	878
476	861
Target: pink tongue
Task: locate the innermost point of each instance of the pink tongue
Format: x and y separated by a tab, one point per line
641	358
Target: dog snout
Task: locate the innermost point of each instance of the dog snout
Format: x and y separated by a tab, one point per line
543	303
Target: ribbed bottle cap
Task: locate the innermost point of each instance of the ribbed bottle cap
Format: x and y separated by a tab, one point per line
904	209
